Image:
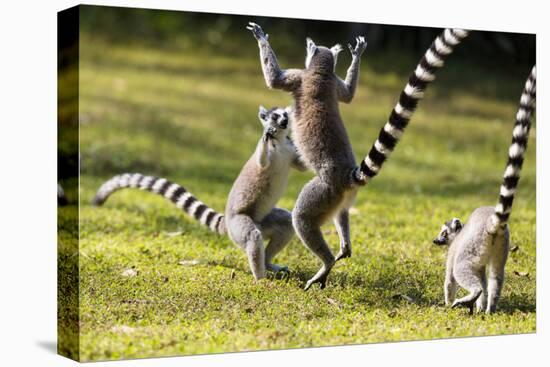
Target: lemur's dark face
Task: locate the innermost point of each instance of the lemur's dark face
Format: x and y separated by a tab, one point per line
275	121
448	232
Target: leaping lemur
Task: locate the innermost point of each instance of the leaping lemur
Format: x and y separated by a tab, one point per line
250	213
482	244
321	137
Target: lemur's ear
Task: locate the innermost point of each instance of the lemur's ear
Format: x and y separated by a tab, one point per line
310	45
456	224
310	48
336	49
262	114
289	109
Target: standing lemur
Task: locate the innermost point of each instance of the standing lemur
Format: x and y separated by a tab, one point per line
321	137
250	213
483	243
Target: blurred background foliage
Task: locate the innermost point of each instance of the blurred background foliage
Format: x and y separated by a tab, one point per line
175	29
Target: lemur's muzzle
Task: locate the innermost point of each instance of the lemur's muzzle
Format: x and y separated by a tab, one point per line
284	123
439	241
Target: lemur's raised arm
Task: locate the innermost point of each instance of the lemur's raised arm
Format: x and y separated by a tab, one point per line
346	88
275	77
262	151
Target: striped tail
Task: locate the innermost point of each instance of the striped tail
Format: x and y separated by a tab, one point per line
171	191
516	154
390	134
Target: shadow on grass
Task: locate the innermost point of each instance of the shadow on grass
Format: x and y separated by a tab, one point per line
384	292
517	302
112	161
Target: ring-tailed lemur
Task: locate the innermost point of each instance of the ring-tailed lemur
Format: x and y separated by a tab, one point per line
482	244
250	213
321	137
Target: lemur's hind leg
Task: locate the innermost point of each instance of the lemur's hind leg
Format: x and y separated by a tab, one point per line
313	206
496	281
248	236
277	227
481	303
341	221
471	280
450	287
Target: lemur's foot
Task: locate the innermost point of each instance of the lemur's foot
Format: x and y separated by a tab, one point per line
468	304
277	268
480	307
344	252
257	31
322	283
320	277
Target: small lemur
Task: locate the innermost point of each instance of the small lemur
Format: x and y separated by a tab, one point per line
482	244
321	137
250	213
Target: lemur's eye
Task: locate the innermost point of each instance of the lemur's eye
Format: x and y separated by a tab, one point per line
274	117
445	234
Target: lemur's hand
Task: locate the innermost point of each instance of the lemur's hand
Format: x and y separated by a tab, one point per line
360	46
269	133
258	32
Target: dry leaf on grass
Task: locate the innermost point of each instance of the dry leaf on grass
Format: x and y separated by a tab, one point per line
129	273
333	302
123	329
521	273
174	234
189	262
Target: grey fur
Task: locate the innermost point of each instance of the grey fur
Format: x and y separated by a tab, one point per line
473	254
250	214
478	251
322	142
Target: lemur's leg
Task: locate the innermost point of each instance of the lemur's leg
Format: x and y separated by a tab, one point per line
481	303
496	280
469	279
450	287
341	221
247	235
314	205
277	226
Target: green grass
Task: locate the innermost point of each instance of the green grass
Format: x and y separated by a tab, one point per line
191	117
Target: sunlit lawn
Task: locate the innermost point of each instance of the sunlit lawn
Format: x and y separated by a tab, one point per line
191	117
